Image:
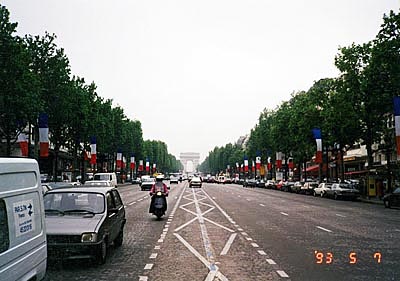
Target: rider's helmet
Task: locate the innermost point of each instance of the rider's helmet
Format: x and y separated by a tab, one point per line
160	178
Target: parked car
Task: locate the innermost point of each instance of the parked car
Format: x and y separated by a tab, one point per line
195	182
136	181
342	190
280	184
392	199
297	186
261	183
250	183
23	247
308	187
83	222
147	183
322	189
270	184
287	186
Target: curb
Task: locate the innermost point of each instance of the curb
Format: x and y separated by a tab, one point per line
376	202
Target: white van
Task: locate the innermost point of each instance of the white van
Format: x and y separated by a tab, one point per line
111	177
23	247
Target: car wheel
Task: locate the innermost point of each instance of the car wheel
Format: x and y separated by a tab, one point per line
314	194
120	238
387	203
335	196
102	253
322	194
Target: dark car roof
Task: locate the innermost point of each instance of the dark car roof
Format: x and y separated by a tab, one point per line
100	189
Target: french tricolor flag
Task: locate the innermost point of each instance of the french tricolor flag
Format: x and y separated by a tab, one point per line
269	166
119	159
318	140
140	165
258	163
253	166
279	160
93	150
396	101
133	164
23	144
154	167
44	134
147	165
246	164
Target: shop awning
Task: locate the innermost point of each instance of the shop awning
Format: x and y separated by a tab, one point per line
312	168
356	172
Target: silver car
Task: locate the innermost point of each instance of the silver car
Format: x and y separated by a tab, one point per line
82	222
342	190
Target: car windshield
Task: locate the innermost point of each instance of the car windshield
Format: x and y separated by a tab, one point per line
102	177
74	201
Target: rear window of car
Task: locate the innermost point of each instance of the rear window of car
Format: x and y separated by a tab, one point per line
4	236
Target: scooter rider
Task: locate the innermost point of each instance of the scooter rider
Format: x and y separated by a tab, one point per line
158	186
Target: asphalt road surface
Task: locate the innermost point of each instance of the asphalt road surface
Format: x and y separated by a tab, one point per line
227	232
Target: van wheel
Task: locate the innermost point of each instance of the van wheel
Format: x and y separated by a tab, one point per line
335	196
387	204
314	194
120	238
102	253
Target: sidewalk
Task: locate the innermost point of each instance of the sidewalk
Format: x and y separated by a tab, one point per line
371	200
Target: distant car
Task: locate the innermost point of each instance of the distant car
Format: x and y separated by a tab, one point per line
392	199
322	189
261	183
173	179
57	185
342	190
308	187
147	183
250	183
288	186
44	178
97	183
136	181
279	184
83	222
195	182
297	186
270	184
112	177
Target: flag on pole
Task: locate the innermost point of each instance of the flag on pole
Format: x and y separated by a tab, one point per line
23	144
318	140
291	163
140	165
241	168
246	164
44	134
269	166
147	165
123	162
93	151
258	163
154	167
133	164
279	160
253	166
119	159
396	101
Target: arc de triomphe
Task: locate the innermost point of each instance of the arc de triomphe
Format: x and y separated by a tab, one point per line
190	161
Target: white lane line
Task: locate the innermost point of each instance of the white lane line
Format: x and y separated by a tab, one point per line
244	234
160	240
262	253
184	225
148	266
240	229
157	247
398	230
339	215
125	206
176	197
153	255
285	214
239	196
214	198
228	244
271	261
254	245
217	224
262	205
143	278
249	239
324	229
282	273
248	199
140	199
130	204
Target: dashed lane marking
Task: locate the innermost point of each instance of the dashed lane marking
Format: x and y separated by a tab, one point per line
153	255
262	205
130	204
324	229
262	253
339	215
285	214
148	266
271	261
282	273
255	245
143	278
249	239
157	247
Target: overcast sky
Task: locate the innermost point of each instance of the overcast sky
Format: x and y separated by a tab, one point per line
197	74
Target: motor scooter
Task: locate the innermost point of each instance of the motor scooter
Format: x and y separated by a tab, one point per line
158	202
